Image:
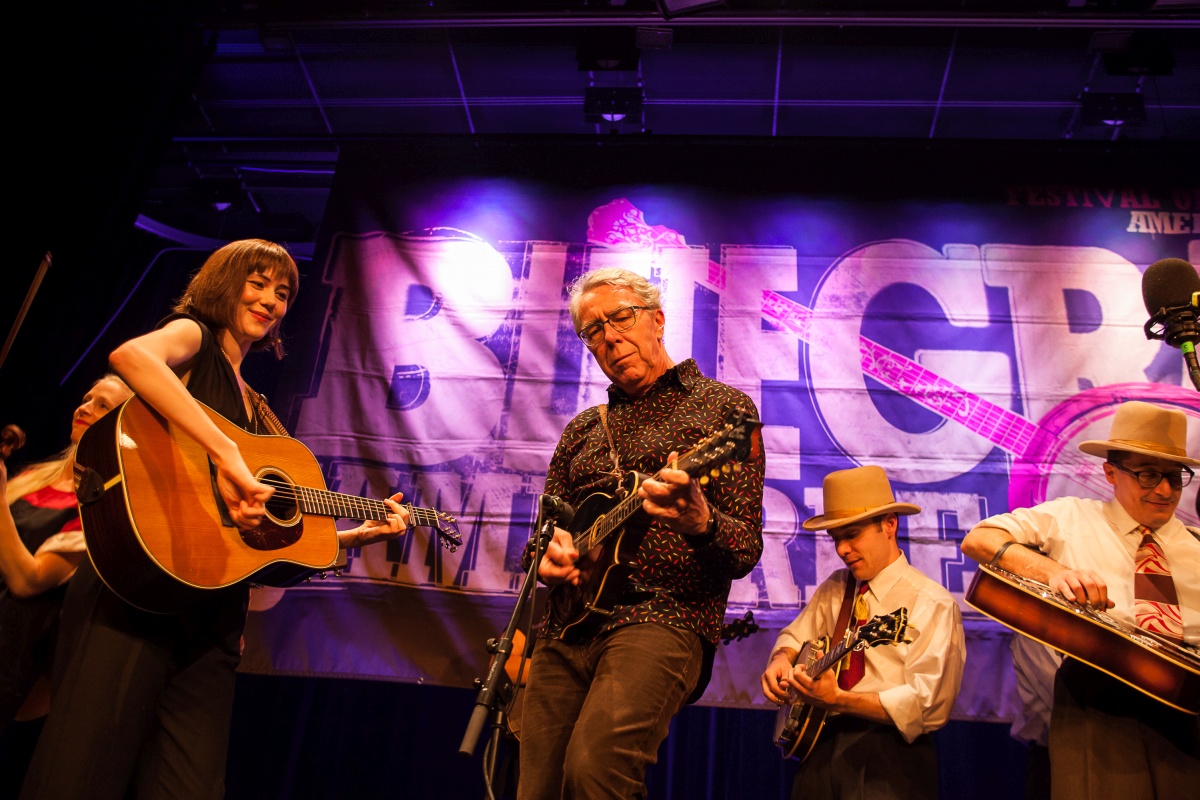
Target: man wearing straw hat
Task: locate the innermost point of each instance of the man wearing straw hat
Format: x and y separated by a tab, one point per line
885	700
1132	556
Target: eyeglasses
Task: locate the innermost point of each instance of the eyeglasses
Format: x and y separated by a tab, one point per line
621	320
1150	478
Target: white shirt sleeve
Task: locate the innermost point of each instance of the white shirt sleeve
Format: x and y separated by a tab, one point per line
924	694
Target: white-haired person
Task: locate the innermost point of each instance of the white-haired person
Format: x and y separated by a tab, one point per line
601	694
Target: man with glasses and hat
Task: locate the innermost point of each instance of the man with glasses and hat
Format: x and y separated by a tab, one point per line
1132	556
885	700
601	695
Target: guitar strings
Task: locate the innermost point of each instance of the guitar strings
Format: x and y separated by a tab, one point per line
286	490
610	526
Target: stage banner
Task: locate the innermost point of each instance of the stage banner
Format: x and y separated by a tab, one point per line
966	342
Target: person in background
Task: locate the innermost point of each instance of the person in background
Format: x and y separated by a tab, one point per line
41	544
1035	665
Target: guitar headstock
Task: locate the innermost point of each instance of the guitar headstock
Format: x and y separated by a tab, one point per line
884	629
447	530
732	442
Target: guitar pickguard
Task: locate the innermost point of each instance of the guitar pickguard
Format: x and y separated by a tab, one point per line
604	567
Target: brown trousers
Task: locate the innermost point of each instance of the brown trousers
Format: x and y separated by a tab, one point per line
1108	740
596	712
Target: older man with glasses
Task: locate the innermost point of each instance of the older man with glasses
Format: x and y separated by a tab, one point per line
604	685
1132	556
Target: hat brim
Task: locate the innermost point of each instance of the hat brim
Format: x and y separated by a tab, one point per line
1100	448
823	522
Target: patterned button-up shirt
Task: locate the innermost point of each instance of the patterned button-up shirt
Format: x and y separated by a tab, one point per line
676	579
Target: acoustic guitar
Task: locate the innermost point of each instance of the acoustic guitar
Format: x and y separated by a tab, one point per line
798	724
160	535
607	533
1156	666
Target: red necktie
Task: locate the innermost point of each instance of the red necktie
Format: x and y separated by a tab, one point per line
1155	603
857	667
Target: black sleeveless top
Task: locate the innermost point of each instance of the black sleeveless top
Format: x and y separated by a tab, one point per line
211	379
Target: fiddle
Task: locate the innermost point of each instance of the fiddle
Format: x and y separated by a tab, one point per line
12	438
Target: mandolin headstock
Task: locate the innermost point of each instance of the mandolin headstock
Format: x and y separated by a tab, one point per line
722	452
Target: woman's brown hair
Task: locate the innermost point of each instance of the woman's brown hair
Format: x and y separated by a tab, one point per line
213	293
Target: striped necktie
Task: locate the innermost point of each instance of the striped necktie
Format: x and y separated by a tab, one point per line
857	667
1155	604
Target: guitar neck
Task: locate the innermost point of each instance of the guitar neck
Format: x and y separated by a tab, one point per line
610	522
829	659
691	463
324	503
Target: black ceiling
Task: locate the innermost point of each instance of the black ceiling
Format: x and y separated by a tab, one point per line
243	106
224	118
287	83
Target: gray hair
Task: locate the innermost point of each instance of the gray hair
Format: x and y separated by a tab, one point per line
647	293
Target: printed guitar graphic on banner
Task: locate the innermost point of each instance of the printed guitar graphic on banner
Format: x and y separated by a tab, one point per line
607	531
1040	449
797	724
159	534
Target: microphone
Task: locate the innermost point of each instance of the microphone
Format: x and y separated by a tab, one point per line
1171	292
557	509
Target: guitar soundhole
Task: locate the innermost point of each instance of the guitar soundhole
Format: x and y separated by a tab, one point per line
281	528
282	507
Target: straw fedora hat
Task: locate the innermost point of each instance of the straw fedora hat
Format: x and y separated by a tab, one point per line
856	494
1147	429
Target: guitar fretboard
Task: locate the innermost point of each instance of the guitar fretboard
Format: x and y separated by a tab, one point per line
325	503
610	522
829	659
693	463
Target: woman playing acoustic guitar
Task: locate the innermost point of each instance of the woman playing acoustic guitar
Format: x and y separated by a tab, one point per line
141	700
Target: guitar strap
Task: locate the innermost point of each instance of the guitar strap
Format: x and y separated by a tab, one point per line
269	420
612	450
843	620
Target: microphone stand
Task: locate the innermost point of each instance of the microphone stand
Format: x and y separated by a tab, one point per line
490	701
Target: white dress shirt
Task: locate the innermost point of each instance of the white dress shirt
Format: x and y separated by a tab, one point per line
917	682
1100	536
